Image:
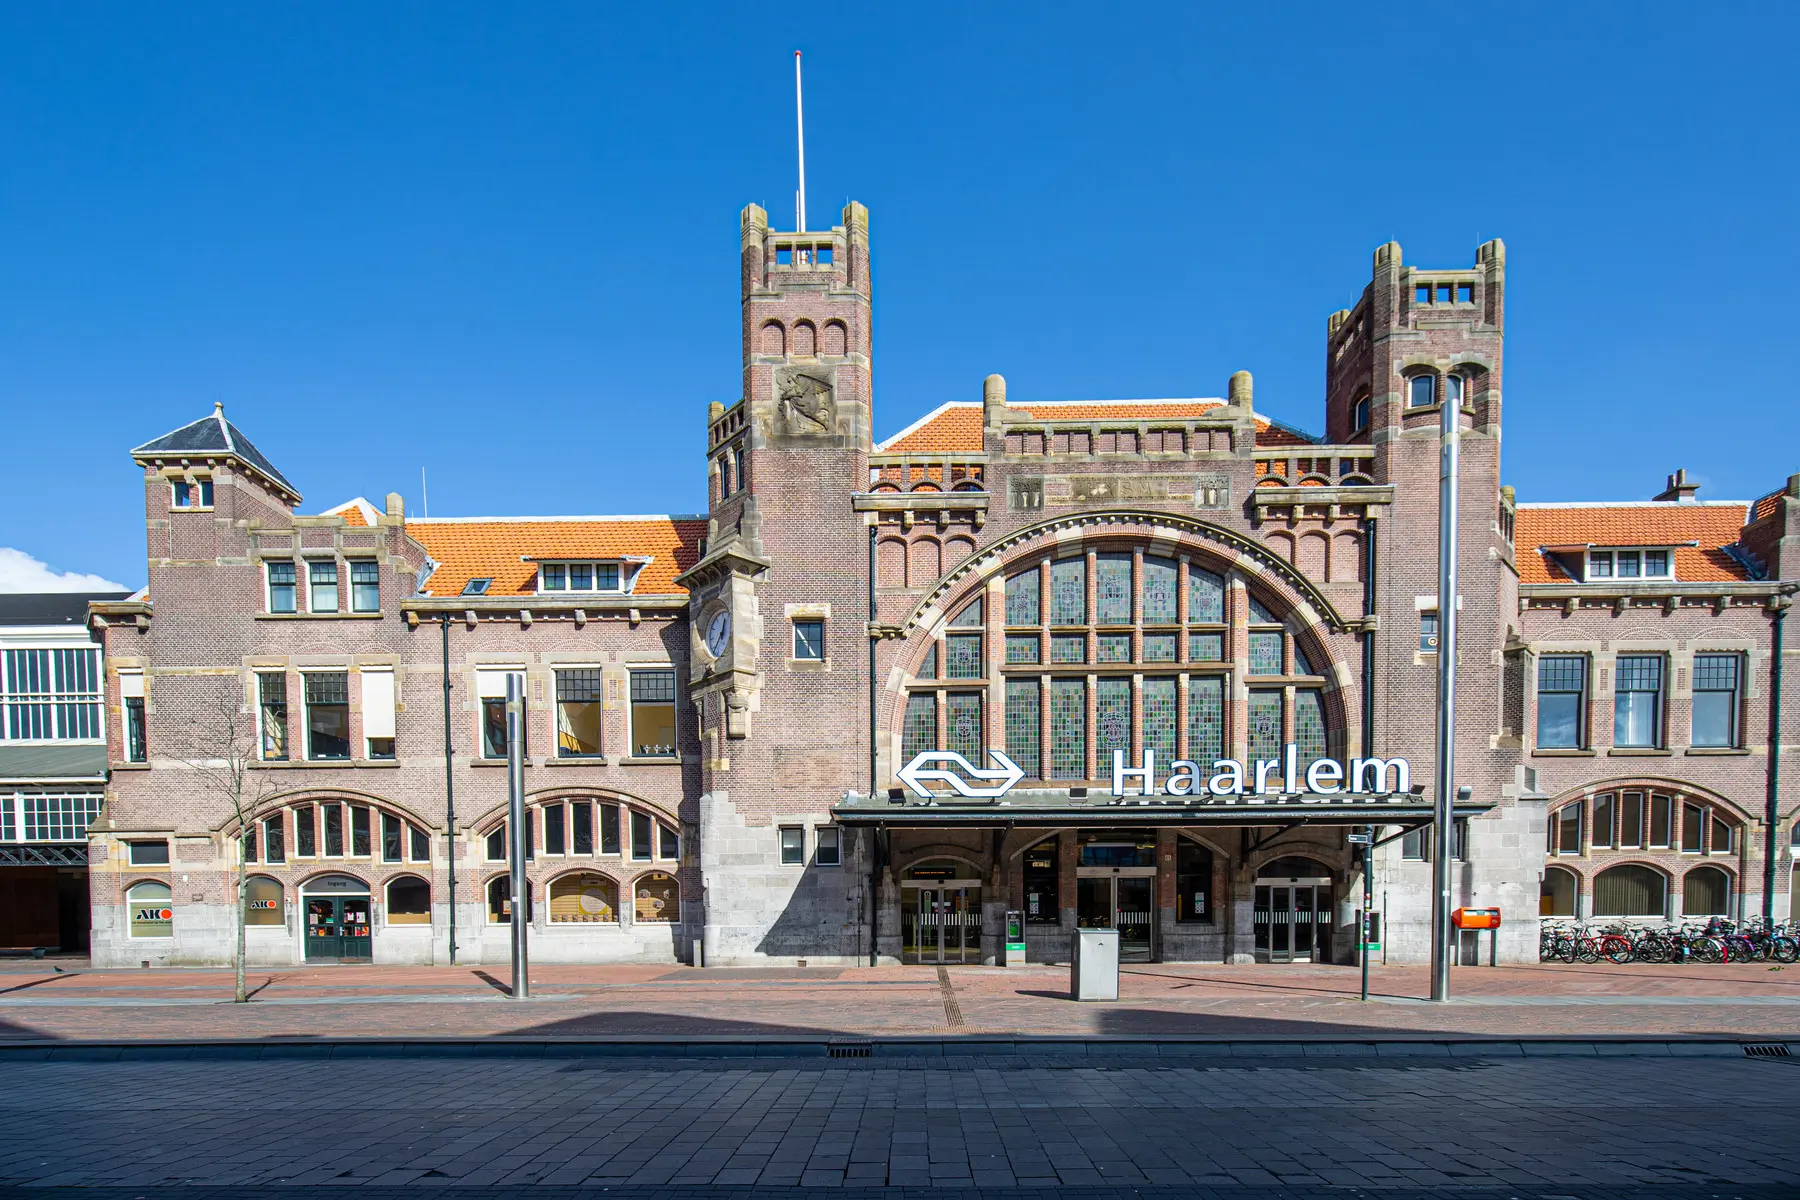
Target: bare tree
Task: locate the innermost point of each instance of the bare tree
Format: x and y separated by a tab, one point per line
221	749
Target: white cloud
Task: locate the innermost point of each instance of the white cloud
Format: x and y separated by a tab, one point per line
19	572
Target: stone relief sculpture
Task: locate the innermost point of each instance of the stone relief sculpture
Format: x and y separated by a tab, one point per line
805	404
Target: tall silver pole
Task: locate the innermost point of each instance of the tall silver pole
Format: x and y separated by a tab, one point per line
800	136
515	815
1449	431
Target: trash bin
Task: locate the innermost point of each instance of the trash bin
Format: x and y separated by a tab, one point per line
1015	939
1094	966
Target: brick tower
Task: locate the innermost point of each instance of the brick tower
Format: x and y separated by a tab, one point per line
784	717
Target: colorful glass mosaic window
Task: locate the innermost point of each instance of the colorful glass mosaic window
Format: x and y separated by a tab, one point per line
1206	647
919	732
1302	664
1068	729
1206	596
1112	589
1265	653
1159	647
1260	615
1068	648
1162	579
1112	720
1265	726
1022	718
928	668
1068	592
1309	726
1023	647
962	715
968	618
962	656
1160	718
1206	719
1022	598
1114	648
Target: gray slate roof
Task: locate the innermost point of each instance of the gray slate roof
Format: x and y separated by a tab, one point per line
216	435
50	608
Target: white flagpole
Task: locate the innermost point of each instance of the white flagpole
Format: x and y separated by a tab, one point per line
800	132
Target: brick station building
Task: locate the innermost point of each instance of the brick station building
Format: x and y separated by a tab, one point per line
719	705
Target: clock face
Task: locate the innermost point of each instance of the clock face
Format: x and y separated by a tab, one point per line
718	634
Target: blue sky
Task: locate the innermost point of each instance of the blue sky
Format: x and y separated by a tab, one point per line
500	241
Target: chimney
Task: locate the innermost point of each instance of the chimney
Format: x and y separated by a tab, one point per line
1679	489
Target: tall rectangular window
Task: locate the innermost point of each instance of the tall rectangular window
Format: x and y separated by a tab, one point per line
1161	582
328	715
668	843
1068	591
1068	729
359	830
962	656
809	640
365	585
1265	652
828	849
1112	722
1603	822
1637	700
653	714
1631	820
1161	718
283	591
272	702
421	843
1023	725
962	716
1193	881
1022	598
1562	701
273	842
642	848
323	576
306	831
131	694
918	729
579	712
609	828
1661	822
1112	589
334	829
378	712
1206	719
1716	705
1206	597
793	845
555	837
581	826
1309	726
393	838
491	684
1265	727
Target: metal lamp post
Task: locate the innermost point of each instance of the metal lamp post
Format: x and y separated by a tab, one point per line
1449	433
515	815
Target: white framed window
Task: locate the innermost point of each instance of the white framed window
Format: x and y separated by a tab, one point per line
1421	391
327	714
828	846
365	585
151	910
191	493
1625	563
272	714
284	591
793	845
490	683
584	578
1359	415
28	816
653	713
51	694
1455	387
378	713
322	578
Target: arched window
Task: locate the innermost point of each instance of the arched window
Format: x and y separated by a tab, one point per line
1421	391
150	911
1705	892
657	899
499	900
1359	414
408	901
584	898
1556	895
1455	388
1630	890
262	901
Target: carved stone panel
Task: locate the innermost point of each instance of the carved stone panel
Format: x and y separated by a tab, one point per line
805	404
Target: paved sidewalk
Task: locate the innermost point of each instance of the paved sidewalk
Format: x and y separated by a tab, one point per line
1738	1000
1550	1128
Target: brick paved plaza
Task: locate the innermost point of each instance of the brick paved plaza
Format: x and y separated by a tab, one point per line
1534	1128
1738	1000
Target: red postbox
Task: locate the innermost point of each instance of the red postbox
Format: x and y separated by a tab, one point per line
1476	918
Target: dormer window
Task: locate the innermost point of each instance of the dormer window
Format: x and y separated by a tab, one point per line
581	577
477	587
1627	564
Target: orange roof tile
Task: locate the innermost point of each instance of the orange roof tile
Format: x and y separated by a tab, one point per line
493	548
1713	526
956	427
1765	506
357	513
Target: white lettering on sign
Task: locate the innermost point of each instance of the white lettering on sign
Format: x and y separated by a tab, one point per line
1227	780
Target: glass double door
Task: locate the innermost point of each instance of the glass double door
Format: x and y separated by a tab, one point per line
1292	922
1122	902
941	924
337	928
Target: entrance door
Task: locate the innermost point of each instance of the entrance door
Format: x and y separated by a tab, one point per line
337	929
941	925
1121	902
1292	922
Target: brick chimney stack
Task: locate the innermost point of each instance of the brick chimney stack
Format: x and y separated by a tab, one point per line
1679	490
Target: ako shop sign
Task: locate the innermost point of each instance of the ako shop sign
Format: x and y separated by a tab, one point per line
1226	781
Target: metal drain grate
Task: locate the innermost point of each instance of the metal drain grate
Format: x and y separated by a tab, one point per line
850	1049
1768	1050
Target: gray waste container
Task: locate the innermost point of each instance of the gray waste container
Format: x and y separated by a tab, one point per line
1094	967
